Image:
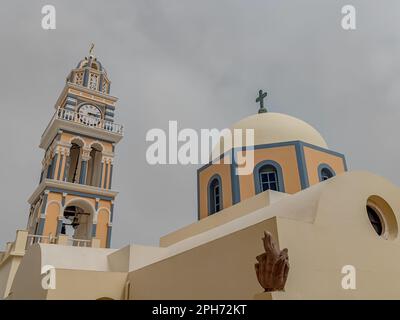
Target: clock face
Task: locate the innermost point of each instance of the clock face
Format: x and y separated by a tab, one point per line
89	114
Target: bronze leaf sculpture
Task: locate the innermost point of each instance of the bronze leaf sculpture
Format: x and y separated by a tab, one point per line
273	266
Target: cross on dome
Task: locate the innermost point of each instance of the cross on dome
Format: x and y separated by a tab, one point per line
91	50
261	96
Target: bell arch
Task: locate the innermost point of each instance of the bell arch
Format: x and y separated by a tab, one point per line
94	165
75	159
77	219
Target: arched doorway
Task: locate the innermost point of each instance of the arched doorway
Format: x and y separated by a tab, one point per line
74	165
77	219
94	166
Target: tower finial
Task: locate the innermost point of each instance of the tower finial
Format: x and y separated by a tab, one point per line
91	50
261	96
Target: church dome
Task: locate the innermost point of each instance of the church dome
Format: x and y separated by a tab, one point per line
277	127
271	128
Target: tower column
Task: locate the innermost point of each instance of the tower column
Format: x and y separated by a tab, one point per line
67	165
50	162
59	156
84	165
101	173
105	174
106	171
54	164
62	150
42	217
109	229
82	178
111	173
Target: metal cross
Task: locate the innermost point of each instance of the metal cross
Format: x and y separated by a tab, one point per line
261	96
91	49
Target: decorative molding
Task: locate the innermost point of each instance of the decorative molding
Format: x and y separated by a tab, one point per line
61	187
302	166
234	179
99	143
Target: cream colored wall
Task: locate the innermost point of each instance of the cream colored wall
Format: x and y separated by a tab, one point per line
342	235
7	272
240	209
88	285
27	281
81	273
220	269
134	257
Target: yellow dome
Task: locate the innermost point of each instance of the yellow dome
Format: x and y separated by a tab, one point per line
274	128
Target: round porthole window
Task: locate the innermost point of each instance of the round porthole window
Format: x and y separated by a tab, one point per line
375	220
381	217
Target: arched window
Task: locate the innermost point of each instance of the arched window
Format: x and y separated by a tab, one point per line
325	172
268	176
94	166
214	195
74	163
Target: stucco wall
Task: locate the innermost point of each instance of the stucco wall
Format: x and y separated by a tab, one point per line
220	269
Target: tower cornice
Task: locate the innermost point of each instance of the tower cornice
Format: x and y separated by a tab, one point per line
71	88
72	187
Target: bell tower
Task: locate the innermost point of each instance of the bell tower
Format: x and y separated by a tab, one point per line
74	196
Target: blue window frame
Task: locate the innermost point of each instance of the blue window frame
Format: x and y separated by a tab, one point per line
214	195
325	172
268	176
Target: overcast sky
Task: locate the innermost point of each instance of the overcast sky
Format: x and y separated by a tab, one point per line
201	63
